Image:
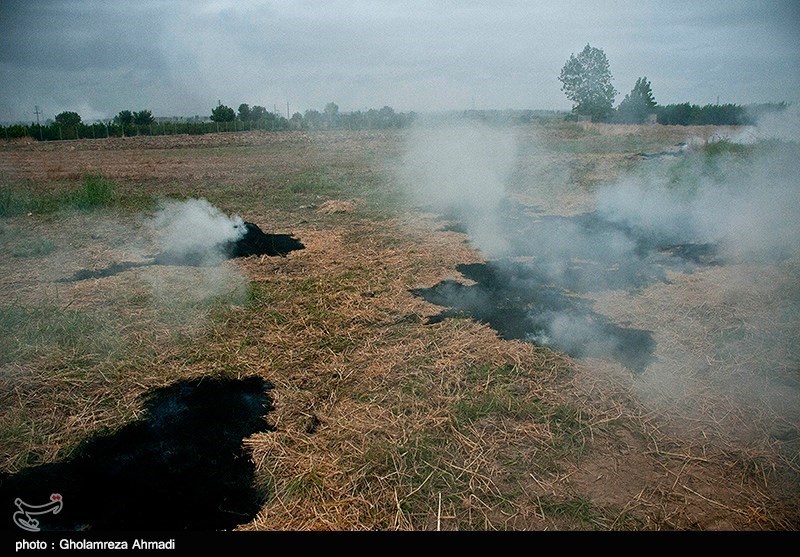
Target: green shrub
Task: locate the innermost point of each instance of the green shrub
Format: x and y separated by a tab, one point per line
11	203
96	191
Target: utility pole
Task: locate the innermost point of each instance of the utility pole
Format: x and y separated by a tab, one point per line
287	110
38	125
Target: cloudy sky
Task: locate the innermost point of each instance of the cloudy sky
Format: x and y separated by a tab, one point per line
180	57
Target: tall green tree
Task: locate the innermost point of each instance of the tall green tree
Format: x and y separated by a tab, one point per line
637	105
125	118
257	113
222	113
143	118
245	113
586	81
68	119
331	115
312	119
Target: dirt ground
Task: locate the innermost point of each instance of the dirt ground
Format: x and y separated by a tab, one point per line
381	420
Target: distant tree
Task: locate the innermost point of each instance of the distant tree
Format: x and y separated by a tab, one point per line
312	119
257	113
244	112
686	114
372	119
296	123
125	118
331	114
638	105
586	80
223	113
143	118
331	109
68	119
682	114
387	117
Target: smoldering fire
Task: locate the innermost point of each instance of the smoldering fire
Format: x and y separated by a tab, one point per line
197	234
641	228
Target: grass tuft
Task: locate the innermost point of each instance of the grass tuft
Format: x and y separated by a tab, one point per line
95	192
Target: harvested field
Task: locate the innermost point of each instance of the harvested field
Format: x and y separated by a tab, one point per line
393	410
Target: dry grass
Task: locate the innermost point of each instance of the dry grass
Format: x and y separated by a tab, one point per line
333	206
383	421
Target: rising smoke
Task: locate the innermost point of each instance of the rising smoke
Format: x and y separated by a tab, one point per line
682	215
783	125
191	239
748	207
460	170
195	232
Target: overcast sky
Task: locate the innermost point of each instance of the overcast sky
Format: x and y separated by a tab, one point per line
177	57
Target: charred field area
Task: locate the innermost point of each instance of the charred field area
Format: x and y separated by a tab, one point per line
371	361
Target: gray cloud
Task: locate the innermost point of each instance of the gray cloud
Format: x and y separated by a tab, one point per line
180	57
78	36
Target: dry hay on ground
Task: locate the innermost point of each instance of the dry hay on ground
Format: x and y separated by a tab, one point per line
378	416
333	206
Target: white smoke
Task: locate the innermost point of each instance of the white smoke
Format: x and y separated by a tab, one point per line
750	210
675	215
460	169
192	237
783	125
195	230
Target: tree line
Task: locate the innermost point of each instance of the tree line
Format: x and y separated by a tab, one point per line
99	130
585	78
127	123
586	81
330	118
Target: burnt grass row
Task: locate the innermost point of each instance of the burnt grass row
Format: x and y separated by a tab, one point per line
254	242
538	292
182	466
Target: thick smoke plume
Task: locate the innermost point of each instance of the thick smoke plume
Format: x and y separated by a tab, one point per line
194	231
783	125
460	170
749	208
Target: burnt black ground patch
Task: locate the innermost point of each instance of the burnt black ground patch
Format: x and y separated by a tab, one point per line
537	292
181	467
588	253
254	242
519	307
110	271
257	242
